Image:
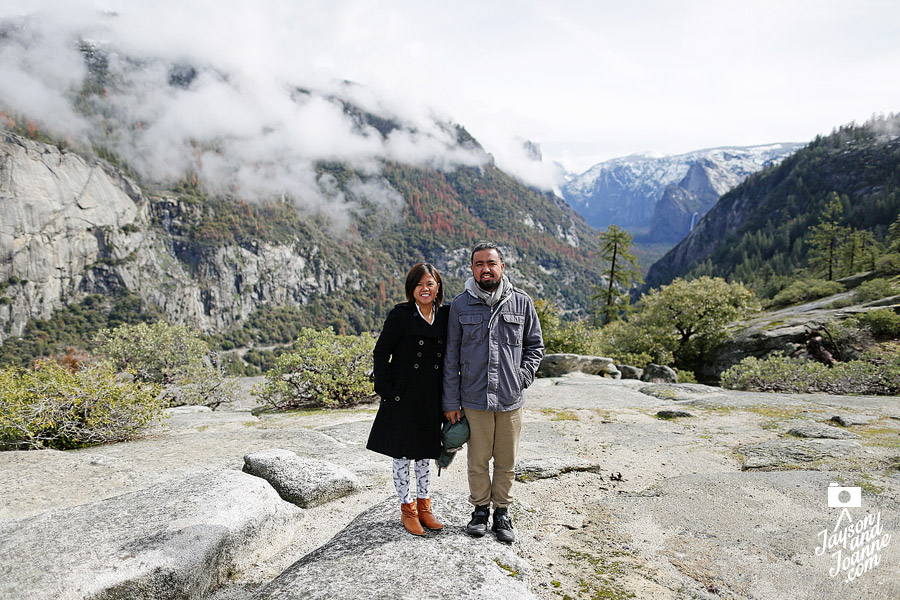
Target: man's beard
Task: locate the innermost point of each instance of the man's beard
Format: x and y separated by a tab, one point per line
489	286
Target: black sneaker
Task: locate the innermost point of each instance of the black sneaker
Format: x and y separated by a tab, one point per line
477	527
503	528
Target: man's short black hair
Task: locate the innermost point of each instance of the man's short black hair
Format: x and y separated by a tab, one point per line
485	246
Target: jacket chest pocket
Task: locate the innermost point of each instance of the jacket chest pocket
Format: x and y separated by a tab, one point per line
471	325
511	328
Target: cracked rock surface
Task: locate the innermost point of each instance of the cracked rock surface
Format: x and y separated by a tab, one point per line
668	510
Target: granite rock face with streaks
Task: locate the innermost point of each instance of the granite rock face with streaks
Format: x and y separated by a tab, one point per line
71	226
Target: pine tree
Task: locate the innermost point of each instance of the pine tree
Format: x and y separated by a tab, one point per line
826	237
623	273
858	252
893	237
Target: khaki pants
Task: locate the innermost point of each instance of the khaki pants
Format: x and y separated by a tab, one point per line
492	435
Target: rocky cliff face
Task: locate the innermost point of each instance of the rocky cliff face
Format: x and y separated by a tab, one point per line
71	227
625	191
59	217
683	204
722	219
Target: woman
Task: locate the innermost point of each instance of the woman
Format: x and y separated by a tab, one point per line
409	377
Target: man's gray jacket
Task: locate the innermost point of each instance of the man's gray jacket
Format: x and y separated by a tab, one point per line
488	367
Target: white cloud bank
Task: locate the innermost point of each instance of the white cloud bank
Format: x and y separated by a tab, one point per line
229	93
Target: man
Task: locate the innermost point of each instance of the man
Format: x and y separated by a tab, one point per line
494	348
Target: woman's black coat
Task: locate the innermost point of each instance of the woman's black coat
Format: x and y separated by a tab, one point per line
409	361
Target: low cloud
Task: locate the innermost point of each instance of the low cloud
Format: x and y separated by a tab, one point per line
231	106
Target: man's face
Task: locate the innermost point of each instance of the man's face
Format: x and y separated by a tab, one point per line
487	269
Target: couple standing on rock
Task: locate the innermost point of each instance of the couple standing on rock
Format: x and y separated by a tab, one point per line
431	363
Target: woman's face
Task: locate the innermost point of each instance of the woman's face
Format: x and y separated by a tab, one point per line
426	290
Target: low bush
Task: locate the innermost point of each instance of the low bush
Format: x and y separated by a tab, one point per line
875	374
51	406
566	337
846	339
172	356
889	264
875	289
686	376
805	291
882	322
578	337
322	369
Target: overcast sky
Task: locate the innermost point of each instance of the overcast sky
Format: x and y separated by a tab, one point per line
589	80
592	80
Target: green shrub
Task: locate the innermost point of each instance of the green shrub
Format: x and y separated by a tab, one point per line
882	322
686	376
841	303
578	337
889	264
322	369
779	373
805	291
846	339
875	289
172	356
53	407
682	322
562	336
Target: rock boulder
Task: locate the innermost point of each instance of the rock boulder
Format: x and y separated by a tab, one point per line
553	466
654	373
556	365
629	372
787	453
175	540
305	482
849	420
810	429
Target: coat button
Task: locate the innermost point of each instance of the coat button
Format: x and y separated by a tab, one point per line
438	354
416	366
418	354
440	342
421	342
437	366
396	398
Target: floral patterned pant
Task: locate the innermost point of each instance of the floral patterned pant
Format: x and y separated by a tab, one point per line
401	479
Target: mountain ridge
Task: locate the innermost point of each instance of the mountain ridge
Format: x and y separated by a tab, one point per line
624	191
213	262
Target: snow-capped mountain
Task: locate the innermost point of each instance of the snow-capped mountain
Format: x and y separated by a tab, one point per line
625	191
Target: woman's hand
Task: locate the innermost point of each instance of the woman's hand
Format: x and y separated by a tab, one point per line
453	415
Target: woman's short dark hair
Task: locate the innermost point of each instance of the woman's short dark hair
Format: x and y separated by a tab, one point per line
415	275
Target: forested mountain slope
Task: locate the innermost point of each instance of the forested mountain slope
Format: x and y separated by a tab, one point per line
759	233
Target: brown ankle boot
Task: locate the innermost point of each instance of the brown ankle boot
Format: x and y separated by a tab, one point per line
426	517
410	518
